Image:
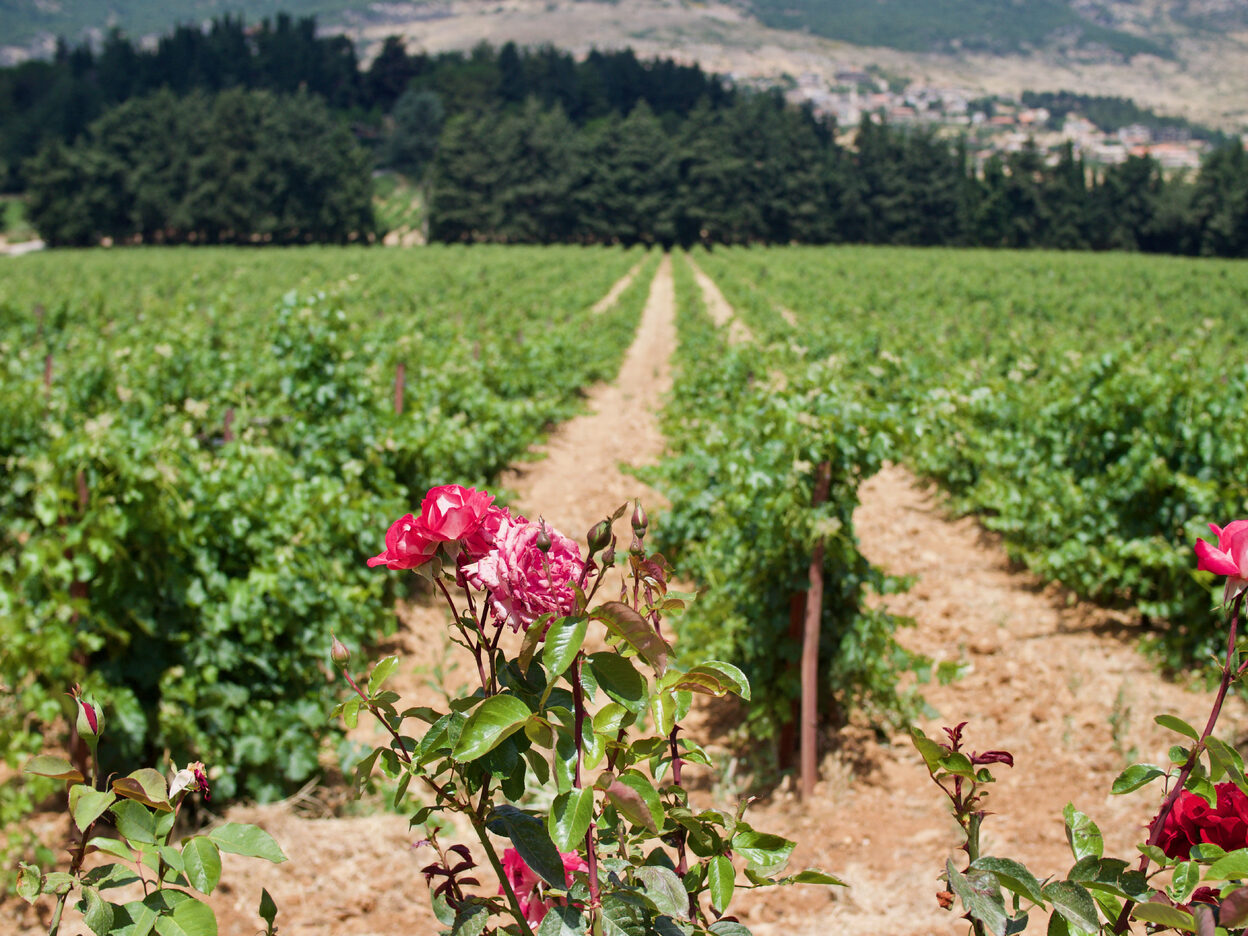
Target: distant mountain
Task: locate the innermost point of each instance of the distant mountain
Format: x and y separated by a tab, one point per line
1180	57
996	27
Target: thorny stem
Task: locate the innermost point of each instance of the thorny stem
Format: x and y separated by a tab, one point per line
1229	675
578	702
80	853
402	748
682	866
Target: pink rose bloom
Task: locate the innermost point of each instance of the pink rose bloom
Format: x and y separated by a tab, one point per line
525	882
452	512
523	582
448	514
408	546
1229	557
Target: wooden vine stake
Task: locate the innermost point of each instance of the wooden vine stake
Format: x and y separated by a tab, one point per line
400	380
810	647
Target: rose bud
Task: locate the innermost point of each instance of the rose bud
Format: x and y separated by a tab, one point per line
542	541
90	724
608	555
339	653
599	536
635	547
640	520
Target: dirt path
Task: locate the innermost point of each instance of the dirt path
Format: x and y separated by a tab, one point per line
718	308
1062	686
617	290
579	481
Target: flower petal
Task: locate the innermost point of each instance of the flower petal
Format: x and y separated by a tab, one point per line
1212	559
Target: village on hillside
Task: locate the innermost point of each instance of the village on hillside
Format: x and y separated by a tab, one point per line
992	125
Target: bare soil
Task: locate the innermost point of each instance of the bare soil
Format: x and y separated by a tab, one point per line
1059	683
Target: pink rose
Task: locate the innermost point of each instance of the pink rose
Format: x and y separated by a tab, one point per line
448	514
525	882
407	545
1229	557
523	581
1192	821
452	512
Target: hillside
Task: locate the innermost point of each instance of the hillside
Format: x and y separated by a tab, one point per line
1187	57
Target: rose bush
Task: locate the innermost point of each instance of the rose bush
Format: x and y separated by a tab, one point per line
1189	873
615	846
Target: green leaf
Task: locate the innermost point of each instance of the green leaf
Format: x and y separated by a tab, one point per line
1136	776
471	919
189	918
712	678
636	799
146	786
29	882
563	921
625	623
528	835
142	918
1233	866
247	840
619	680
490	724
721	877
663	708
135	822
1174	723
86	805
532	640
729	928
1013	876
58	768
202	860
1164	914
1074	903
929	750
766	853
812	876
1082	834
1183	883
622	916
666	890
983	901
268	909
569	819
97	913
563	642
381	672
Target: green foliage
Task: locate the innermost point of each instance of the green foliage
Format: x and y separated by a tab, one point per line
236	168
143	808
746	431
1084	407
172	562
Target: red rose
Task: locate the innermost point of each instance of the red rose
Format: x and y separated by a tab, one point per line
1193	822
408	545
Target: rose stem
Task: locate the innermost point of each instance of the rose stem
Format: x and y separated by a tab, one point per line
578	701
483	834
1159	823
476	647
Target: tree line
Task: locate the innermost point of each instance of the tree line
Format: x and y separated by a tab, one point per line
758	171
272	144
